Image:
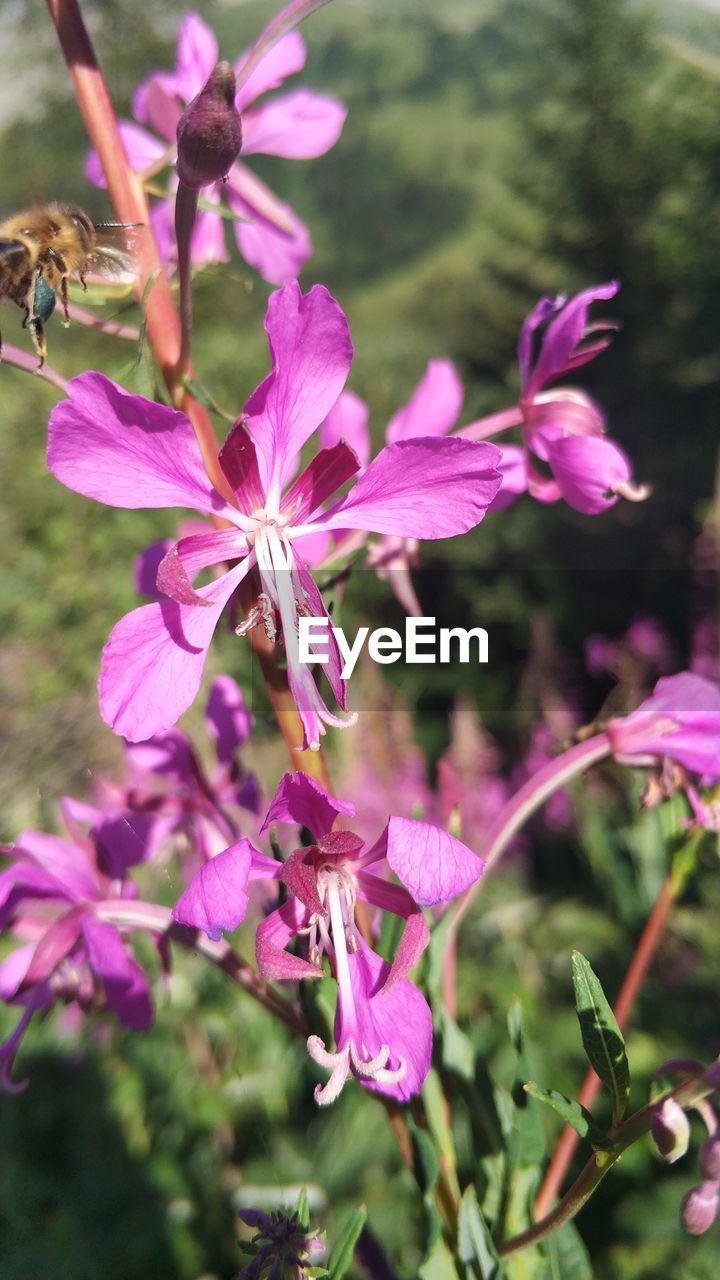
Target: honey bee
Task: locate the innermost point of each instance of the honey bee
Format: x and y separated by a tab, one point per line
41	248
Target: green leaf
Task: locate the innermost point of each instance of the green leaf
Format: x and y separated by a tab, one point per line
572	1113
601	1035
438	1265
302	1210
475	1244
436	1112
344	1247
568	1258
526	1145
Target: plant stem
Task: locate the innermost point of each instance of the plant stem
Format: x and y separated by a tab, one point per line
591	1175
637	970
186	203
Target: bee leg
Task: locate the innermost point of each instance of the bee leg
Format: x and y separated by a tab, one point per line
37	333
81	278
64	300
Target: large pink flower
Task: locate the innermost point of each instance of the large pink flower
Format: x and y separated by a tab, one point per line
130	452
298	126
383	1028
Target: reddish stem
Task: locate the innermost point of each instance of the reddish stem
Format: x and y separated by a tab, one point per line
639	965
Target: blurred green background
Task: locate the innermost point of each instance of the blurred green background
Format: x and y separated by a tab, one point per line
494	150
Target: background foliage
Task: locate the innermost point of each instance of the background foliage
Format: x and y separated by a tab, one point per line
494	150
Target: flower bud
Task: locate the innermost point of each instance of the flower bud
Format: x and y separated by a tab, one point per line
709	1159
670	1130
209	132
699	1207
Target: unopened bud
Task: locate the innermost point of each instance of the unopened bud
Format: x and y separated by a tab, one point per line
699	1207
709	1159
209	132
670	1130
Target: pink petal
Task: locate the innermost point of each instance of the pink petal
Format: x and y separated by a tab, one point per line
197	54
513	469
399	1018
301	800
13	968
269	235
334	664
322	477
125	984
298	126
126	451
433	407
587	470
563	334
216	898
680	720
284	59
141	149
273	935
153	661
415	936
421	488
155	102
238	459
124	841
189	556
432	864
66	862
146	567
347	420
310	354
227	717
54	946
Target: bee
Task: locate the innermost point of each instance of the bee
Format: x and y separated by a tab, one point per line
43	247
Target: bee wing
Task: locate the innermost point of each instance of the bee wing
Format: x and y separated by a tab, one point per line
115	253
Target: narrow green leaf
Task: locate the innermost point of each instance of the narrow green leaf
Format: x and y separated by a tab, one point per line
475	1243
437	1117
302	1210
572	1113
526	1145
568	1258
344	1247
601	1035
438	1264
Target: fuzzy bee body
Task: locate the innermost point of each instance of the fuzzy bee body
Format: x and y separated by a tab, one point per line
41	248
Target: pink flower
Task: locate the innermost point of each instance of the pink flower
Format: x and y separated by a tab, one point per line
51	896
130	452
562	427
298	126
680	721
383	1027
167	780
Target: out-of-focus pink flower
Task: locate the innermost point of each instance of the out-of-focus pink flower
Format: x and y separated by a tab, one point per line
382	1025
680	721
129	452
167	781
645	643
51	897
299	126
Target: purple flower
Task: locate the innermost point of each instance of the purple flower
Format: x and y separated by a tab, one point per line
383	1028
699	1207
130	452
680	721
51	897
298	126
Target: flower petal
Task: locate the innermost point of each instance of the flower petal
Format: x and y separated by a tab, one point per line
186	558
422	488
322	477
347	420
587	470
141	149
310	354
127	451
153	661
196	55
415	936
681	720
432	864
126	986
399	1018
302	800
513	469
68	863
228	718
283	59
273	935
433	407
563	334
216	898
269	235
298	126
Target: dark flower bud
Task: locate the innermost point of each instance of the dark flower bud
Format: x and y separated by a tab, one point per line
709	1160
699	1207
670	1130
209	132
